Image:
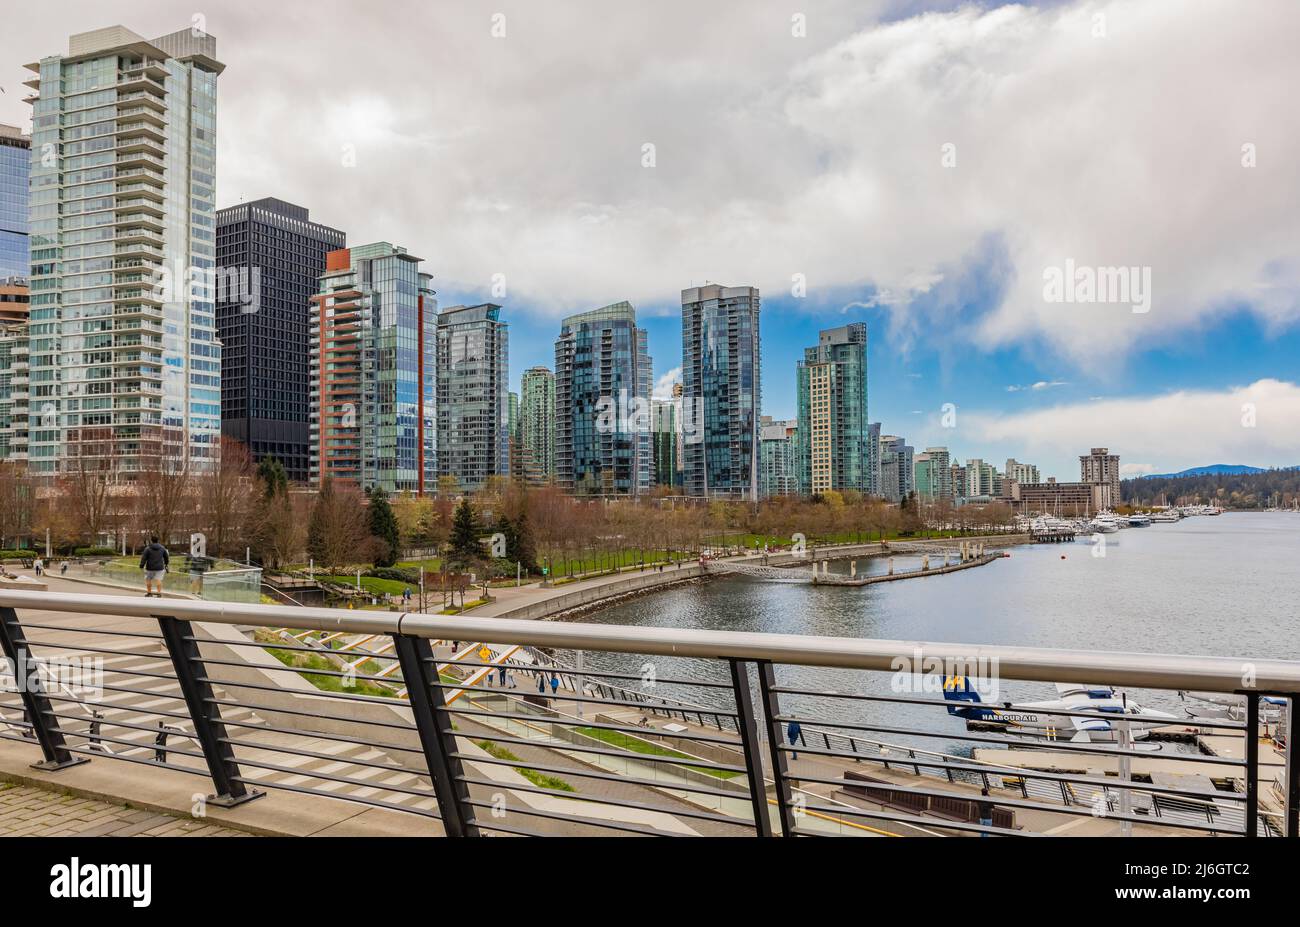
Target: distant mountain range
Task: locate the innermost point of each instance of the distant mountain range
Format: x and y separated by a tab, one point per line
1211	470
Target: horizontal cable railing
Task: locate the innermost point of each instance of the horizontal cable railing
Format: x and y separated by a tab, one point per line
480	725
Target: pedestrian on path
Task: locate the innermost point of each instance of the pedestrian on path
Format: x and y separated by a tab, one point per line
154	560
39	566
985	810
63	568
794	733
502	670
96	720
160	743
555	684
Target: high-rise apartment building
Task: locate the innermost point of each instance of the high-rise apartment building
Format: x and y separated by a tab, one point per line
896	468
125	361
371	384
1101	466
778	457
834	437
722	381
664	427
473	395
537	424
932	472
15	383
981	479
603	377
15	167
278	253
1021	472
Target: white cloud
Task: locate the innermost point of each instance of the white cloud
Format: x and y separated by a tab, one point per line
1166	433
664	385
1037	387
775	155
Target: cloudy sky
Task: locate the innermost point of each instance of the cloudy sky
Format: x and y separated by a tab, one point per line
921	167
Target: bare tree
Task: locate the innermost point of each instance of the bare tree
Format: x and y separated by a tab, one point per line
17	503
87	496
164	496
225	499
337	533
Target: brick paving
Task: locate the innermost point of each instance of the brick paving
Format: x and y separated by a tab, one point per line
26	811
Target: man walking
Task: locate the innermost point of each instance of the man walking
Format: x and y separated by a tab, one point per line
154	560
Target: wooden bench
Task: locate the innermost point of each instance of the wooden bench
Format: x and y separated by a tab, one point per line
951	808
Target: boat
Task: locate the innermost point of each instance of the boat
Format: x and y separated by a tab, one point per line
1105	522
1230	706
1139	520
1115	713
1165	517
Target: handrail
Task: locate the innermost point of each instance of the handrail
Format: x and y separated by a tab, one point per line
1164	671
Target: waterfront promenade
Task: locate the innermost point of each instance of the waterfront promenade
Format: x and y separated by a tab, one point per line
628	798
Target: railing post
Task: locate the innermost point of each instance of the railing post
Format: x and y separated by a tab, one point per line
178	635
772	711
1252	764
434	725
1292	768
748	727
32	691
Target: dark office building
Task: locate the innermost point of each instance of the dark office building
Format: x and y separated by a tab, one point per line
270	259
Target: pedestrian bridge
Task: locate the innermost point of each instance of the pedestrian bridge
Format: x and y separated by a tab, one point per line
610	732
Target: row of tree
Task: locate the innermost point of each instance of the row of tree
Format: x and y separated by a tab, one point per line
1230	490
242	507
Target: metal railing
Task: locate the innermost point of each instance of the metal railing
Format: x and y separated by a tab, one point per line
685	732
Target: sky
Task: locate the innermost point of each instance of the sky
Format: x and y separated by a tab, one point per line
954	175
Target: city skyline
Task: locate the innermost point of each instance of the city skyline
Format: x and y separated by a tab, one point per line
1166	388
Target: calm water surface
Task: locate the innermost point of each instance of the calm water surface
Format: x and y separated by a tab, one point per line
1223	586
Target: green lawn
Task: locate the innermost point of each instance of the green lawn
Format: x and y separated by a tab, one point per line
635	744
540	780
371	584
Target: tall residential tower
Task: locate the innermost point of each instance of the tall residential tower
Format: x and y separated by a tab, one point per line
834	446
603	376
125	361
721	390
371	384
473	395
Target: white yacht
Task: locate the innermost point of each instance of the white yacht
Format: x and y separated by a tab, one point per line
1105	522
1139	520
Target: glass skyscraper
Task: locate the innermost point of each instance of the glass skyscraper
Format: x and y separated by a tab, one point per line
15	166
372	337
264	354
834	447
125	361
721	390
537	425
473	395
603	376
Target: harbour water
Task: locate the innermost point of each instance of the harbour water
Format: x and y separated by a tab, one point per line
1227	585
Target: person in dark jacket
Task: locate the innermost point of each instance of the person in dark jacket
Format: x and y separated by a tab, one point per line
794	733
154	560
985	809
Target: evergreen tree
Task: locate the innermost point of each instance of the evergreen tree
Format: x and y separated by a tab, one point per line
465	547
273	477
524	548
383	528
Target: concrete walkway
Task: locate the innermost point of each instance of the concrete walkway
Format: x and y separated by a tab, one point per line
28	811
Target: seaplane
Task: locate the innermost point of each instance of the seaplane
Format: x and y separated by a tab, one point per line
1230	706
1039	719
